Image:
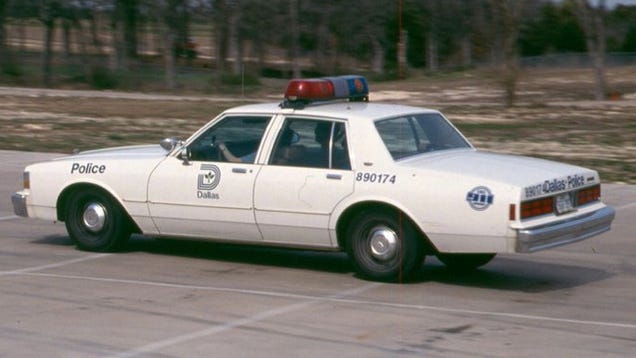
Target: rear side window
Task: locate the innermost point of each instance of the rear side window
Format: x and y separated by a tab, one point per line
312	143
421	133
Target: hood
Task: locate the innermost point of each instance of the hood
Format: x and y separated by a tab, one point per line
536	177
129	152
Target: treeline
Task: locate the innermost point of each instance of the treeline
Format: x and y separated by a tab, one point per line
384	37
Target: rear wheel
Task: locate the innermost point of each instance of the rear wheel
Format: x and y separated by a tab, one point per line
384	246
465	262
95	222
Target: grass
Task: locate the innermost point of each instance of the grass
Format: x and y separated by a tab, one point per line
554	118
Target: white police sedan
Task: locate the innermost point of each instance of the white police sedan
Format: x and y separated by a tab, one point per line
325	170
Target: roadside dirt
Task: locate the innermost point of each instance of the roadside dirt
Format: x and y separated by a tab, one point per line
554	118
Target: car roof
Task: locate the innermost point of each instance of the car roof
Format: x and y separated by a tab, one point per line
336	109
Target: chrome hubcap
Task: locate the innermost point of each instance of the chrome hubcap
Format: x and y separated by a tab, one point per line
94	217
383	243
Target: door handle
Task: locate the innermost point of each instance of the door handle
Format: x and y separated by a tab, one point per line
239	170
334	176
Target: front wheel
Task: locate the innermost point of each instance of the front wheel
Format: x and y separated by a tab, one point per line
465	262
95	222
384	246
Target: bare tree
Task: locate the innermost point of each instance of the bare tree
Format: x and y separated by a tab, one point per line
124	21
508	14
221	10
4	49
49	11
592	21
294	33
175	18
234	38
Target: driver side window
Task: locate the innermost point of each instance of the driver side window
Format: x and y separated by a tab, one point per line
233	139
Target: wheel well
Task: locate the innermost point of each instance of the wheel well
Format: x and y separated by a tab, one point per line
375	206
62	201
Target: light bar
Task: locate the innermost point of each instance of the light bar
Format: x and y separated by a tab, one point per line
300	92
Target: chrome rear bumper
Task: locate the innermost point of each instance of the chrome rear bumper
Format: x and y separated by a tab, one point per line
565	232
19	201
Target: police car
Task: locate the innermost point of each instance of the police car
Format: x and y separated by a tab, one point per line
325	169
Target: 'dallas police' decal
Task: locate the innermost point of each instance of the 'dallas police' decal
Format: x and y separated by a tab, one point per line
208	179
480	198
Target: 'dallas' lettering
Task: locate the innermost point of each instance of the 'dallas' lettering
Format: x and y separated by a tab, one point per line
207	195
550	186
555	185
88	168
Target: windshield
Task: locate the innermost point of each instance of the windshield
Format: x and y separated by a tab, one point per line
419	133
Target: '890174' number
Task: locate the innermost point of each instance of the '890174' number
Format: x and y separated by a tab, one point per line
375	178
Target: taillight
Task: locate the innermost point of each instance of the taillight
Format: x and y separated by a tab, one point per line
26	180
589	195
537	207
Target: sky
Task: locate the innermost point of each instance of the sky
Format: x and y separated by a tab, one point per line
612	3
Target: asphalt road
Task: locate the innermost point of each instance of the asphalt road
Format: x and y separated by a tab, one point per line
174	299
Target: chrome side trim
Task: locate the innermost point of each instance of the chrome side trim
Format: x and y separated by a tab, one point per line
565	232
19	201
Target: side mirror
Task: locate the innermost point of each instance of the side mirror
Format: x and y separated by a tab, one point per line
169	143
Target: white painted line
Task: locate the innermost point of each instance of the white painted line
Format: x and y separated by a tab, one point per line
349	301
54	265
12	217
489	313
626	206
176	285
156	346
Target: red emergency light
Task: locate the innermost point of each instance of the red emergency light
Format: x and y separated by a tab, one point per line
301	92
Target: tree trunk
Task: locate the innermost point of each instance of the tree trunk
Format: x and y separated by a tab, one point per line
402	59
377	66
220	34
592	21
4	49
294	47
467	51
509	14
83	49
66	31
432	52
47	55
235	42
97	43
170	61
130	8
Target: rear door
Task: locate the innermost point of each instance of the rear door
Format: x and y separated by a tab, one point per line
307	174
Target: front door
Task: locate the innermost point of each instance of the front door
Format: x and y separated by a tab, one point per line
207	191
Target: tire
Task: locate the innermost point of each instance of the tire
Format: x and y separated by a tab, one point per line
465	262
96	222
384	246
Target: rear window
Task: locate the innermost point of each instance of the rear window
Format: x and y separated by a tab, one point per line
420	133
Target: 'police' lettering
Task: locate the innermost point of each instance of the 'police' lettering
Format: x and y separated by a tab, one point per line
88	168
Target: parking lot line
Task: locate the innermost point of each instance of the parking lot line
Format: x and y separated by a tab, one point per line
53	265
12	217
156	346
626	206
342	299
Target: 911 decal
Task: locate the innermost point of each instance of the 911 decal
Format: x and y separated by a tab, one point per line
480	198
379	178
